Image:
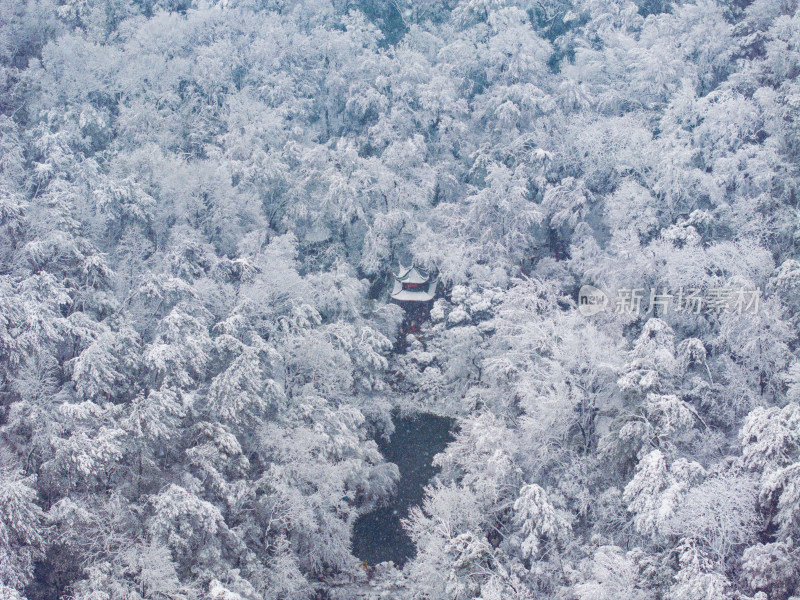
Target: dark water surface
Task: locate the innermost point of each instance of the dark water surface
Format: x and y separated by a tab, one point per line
378	536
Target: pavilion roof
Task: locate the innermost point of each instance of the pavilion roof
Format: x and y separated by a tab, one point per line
412	275
425	291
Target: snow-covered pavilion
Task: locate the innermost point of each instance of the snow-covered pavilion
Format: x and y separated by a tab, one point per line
413	285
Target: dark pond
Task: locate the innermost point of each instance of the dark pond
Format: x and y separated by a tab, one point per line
378	536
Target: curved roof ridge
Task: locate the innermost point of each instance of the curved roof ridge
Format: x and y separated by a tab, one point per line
413	274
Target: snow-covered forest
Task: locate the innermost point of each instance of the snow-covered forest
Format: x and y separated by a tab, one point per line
202	209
